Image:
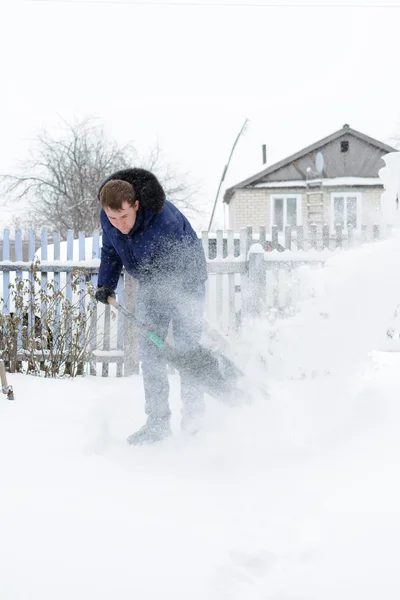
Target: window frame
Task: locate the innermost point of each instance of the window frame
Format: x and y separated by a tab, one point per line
345	195
284	197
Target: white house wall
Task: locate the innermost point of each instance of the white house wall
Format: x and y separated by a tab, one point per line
252	207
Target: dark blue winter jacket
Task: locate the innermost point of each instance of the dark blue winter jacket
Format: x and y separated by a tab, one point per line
161	249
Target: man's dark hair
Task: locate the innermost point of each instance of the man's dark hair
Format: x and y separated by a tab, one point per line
146	188
115	192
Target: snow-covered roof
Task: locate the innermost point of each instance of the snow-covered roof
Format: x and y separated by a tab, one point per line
333	182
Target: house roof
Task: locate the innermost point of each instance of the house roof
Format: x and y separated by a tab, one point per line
345	130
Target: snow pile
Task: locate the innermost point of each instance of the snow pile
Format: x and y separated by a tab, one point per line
344	311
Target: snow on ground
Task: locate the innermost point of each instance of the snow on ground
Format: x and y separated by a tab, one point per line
296	497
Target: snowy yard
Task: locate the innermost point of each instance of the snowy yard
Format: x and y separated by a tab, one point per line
294	498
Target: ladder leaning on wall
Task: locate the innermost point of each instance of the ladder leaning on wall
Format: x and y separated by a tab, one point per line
315	202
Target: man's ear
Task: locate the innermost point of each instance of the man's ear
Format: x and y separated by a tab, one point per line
136	205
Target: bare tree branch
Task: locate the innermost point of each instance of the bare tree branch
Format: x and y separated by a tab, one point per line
62	175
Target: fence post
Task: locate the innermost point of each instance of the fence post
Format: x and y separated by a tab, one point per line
256	293
131	359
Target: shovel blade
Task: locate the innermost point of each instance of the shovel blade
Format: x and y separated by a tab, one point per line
210	370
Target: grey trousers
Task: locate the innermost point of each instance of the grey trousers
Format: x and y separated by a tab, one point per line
157	307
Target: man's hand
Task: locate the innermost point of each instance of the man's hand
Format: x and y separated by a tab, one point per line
103	293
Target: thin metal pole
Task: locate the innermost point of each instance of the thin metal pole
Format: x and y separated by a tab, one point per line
225	171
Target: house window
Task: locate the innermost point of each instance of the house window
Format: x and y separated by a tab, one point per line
346	210
286	210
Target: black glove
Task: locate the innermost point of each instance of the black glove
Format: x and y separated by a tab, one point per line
103	293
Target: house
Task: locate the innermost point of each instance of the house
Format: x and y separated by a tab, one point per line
335	181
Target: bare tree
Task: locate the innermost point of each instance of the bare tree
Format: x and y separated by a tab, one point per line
62	175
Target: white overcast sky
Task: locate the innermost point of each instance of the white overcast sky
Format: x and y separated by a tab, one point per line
188	75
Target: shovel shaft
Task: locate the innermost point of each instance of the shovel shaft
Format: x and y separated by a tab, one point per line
153	336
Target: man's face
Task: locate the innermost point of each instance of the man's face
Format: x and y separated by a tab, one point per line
123	219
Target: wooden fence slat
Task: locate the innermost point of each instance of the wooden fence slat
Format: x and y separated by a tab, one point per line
106	340
325	237
263	234
120	324
339	236
96	244
364	233
350	235
205	244
249	238
300	237
313	235
243	250
275	286
93	305
231	284
288	286
274	236
288	237
31	245
257	283
57	288
18	256
243	275
6	275
44	278
70	256
31	279
82	283
219	282
82	293
43	304
131	365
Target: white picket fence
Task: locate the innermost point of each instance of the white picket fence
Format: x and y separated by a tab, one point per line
243	279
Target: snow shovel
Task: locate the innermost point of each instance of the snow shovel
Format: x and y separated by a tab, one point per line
210	370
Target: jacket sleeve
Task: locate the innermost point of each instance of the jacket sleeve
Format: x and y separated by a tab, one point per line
110	264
